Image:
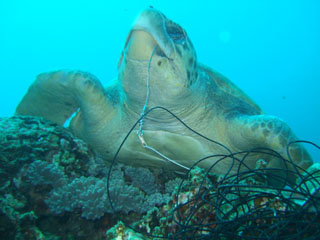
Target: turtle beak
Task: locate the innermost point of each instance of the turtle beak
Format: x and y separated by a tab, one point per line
140	45
154	22
152	29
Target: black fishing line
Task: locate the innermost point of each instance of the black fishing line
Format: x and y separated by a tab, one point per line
125	139
234	207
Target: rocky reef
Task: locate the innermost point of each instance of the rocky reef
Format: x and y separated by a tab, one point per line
53	186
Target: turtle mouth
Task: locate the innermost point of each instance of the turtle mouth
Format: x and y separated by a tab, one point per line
162	33
139	46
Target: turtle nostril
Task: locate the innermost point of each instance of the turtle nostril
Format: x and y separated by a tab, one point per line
175	32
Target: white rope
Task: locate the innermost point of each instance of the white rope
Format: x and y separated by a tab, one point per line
140	131
141	122
165	157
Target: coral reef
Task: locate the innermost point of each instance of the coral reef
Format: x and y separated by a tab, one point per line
121	232
206	206
53	186
36	156
44	173
50	175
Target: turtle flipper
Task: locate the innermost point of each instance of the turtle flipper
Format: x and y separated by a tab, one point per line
268	132
57	95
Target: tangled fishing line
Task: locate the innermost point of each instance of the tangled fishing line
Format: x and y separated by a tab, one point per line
249	203
244	204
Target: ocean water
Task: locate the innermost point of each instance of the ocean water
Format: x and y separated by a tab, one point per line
270	49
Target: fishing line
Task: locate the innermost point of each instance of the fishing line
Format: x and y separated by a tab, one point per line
233	217
141	122
125	139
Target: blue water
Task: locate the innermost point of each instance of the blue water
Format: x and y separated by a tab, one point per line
270	49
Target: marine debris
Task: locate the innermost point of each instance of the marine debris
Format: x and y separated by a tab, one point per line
53	186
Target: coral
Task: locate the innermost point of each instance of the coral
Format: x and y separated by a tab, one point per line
52	186
39	153
90	195
172	185
155	199
142	178
21	223
25	139
242	206
121	232
10	206
87	194
40	172
32	150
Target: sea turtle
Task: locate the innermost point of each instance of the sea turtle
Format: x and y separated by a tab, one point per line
158	67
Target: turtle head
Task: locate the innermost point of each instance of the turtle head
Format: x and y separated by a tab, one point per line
159	50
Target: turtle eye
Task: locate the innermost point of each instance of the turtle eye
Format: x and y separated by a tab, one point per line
175	32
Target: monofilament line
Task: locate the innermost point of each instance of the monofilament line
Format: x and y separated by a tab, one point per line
165	157
141	122
140	131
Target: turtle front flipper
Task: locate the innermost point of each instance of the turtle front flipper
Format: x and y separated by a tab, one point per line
263	131
57	95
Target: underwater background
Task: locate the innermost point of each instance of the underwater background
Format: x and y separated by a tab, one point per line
270	49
